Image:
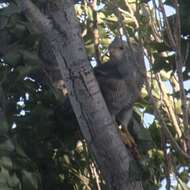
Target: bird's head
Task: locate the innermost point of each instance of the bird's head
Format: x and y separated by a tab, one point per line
119	49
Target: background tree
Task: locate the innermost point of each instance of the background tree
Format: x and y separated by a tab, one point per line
42	128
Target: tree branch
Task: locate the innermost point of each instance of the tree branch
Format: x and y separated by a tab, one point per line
63	34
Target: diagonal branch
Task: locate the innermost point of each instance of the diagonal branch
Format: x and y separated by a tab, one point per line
61	30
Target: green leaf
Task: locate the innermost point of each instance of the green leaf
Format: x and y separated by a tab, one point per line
29	180
7	146
181	185
10	10
6	162
12	57
7	181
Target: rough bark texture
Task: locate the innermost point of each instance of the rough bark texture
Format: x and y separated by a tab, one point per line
61	30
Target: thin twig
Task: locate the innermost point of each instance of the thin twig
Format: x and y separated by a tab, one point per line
168	28
95	175
186	54
170	109
179	65
96	36
175	41
160	118
166	160
132	13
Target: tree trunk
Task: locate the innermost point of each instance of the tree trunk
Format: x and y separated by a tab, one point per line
61	30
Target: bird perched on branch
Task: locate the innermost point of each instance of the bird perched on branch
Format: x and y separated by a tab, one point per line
121	79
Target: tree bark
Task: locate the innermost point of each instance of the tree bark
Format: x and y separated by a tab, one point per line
62	32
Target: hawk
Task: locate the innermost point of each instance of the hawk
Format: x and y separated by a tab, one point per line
120	81
121	78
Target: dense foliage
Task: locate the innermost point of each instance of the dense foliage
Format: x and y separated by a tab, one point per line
40	143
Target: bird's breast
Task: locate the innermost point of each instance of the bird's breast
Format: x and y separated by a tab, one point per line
116	94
